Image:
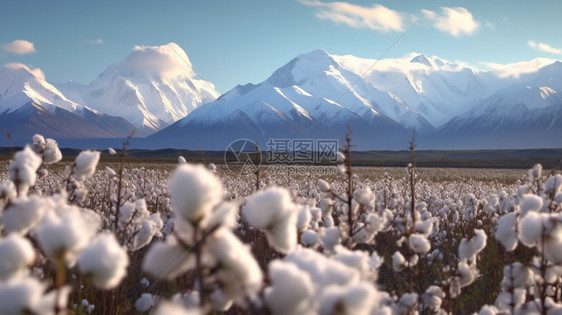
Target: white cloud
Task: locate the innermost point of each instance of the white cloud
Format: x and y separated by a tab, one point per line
97	41
517	68
19	46
14	66
455	21
376	17
544	47
168	60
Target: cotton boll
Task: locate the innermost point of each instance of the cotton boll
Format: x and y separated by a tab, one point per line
16	253
111	151
144	303
66	231
18	295
238	272
330	238
468	249
212	167
364	197
553	184
291	291
341	170
531	229
151	226
516	275
406	303
531	203
85	164
22	170
51	154
327	205
488	310
167	259
398	261
304	218
323	186
105	260
188	299
194	192
359	260
433	297
419	243
23	214
361	298
274	211
466	274
181	160
167	308
425	227
505	232
309	238
219	301
552	248
110	172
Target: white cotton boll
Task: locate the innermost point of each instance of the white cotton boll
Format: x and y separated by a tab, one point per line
85	164
398	261
110	172
167	259
111	151
238	272
181	160
104	260
553	184
329	222
361	298
151	226
516	275
505	232
212	167
51	154
309	238
359	260
425	227
531	229
488	310
144	283
188	299
274	211
340	157
466	274
194	192
419	243
406	303
552	248
265	208
330	238
365	197
23	214
144	303
505	299
468	249
16	254
323	185
22	170
224	214
38	143
433	297
291	291
167	308
531	203
19	295
341	170
219	301
326	205
48	300
66	231
304	218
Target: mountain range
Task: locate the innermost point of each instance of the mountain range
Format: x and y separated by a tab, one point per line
155	92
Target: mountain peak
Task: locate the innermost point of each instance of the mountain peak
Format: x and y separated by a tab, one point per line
421	59
301	68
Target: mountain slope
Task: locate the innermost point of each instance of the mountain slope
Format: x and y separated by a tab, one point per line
29	105
151	88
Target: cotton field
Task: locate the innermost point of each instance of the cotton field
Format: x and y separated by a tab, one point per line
91	237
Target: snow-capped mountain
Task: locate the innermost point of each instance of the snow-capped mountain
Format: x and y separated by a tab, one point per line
523	115
435	88
153	87
29	105
311	97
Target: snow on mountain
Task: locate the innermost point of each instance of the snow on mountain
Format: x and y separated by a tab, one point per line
522	115
29	105
309	97
436	88
151	88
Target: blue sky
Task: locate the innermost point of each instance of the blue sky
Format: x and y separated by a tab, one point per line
231	42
